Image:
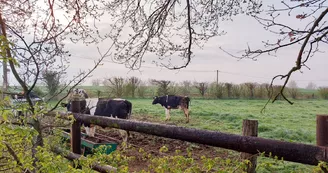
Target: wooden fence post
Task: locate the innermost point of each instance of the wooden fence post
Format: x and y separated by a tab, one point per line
76	129
250	129
322	130
322	133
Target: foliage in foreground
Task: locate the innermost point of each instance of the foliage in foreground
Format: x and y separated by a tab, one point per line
18	139
20	159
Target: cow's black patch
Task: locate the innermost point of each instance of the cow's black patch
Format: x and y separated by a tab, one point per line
116	108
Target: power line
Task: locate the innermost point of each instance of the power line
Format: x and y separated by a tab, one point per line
205	71
238	74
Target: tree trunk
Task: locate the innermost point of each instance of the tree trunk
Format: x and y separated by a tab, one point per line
38	141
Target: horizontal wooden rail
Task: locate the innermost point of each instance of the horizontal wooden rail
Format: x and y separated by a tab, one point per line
295	152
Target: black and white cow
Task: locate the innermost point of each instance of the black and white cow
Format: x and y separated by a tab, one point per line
116	108
173	102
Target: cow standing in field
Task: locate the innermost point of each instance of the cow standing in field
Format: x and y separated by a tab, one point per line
115	108
173	102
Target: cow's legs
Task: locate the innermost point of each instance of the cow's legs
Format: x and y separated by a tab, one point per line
128	133
92	130
87	130
167	114
124	134
186	112
166	110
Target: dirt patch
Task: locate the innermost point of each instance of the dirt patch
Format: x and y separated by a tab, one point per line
153	144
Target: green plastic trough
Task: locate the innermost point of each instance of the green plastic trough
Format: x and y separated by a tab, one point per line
89	145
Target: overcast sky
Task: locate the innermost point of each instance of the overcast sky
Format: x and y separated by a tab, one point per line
203	66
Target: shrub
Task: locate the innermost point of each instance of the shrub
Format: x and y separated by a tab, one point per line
186	88
163	86
323	92
216	90
132	85
116	86
141	90
236	91
201	87
229	87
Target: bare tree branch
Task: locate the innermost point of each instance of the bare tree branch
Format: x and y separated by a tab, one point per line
168	29
315	32
84	77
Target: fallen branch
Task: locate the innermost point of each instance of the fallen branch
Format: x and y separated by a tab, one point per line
96	166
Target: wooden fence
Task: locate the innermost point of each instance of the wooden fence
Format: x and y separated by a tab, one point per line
289	151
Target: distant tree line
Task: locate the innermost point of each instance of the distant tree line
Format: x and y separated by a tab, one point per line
136	88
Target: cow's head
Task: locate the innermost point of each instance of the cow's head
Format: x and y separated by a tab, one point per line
156	100
77	92
85	109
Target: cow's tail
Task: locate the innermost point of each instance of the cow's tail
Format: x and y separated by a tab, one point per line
129	106
187	101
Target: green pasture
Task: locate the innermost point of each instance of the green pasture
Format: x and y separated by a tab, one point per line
280	121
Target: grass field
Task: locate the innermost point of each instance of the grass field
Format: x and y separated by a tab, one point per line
280	121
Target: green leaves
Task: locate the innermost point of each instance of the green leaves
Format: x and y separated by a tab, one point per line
4	47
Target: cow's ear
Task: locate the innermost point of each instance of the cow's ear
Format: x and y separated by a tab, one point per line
155	97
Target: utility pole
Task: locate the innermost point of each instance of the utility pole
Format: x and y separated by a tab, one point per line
217	77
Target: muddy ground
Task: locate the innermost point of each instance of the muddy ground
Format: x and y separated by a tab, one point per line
152	144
